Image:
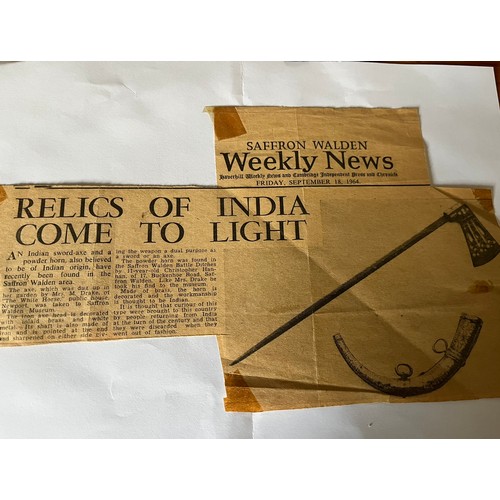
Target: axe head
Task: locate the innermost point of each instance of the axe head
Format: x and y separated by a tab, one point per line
482	246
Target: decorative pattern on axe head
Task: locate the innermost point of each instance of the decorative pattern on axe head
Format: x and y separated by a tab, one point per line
482	246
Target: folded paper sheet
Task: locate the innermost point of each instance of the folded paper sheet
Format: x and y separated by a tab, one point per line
109	262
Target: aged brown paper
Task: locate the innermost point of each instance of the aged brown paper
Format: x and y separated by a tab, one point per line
422	327
110	262
312	146
98	263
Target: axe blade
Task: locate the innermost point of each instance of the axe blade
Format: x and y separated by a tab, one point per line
482	246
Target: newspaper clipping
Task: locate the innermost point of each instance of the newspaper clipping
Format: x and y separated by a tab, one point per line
328	267
284	146
318	296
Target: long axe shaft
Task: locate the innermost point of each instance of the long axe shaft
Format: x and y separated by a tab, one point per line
481	245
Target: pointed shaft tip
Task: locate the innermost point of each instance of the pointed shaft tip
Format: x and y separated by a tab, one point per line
236	361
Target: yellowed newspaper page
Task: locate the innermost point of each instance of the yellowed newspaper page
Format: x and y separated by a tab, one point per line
318	296
398	302
313	146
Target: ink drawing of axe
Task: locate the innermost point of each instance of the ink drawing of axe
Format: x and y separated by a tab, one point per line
482	248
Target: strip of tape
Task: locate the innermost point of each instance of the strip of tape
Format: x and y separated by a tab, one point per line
227	122
3	194
239	395
483	196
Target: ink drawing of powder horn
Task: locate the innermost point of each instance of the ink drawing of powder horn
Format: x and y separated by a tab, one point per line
454	357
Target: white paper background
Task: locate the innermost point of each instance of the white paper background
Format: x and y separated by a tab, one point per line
143	123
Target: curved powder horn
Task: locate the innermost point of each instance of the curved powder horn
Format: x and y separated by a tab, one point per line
454	357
